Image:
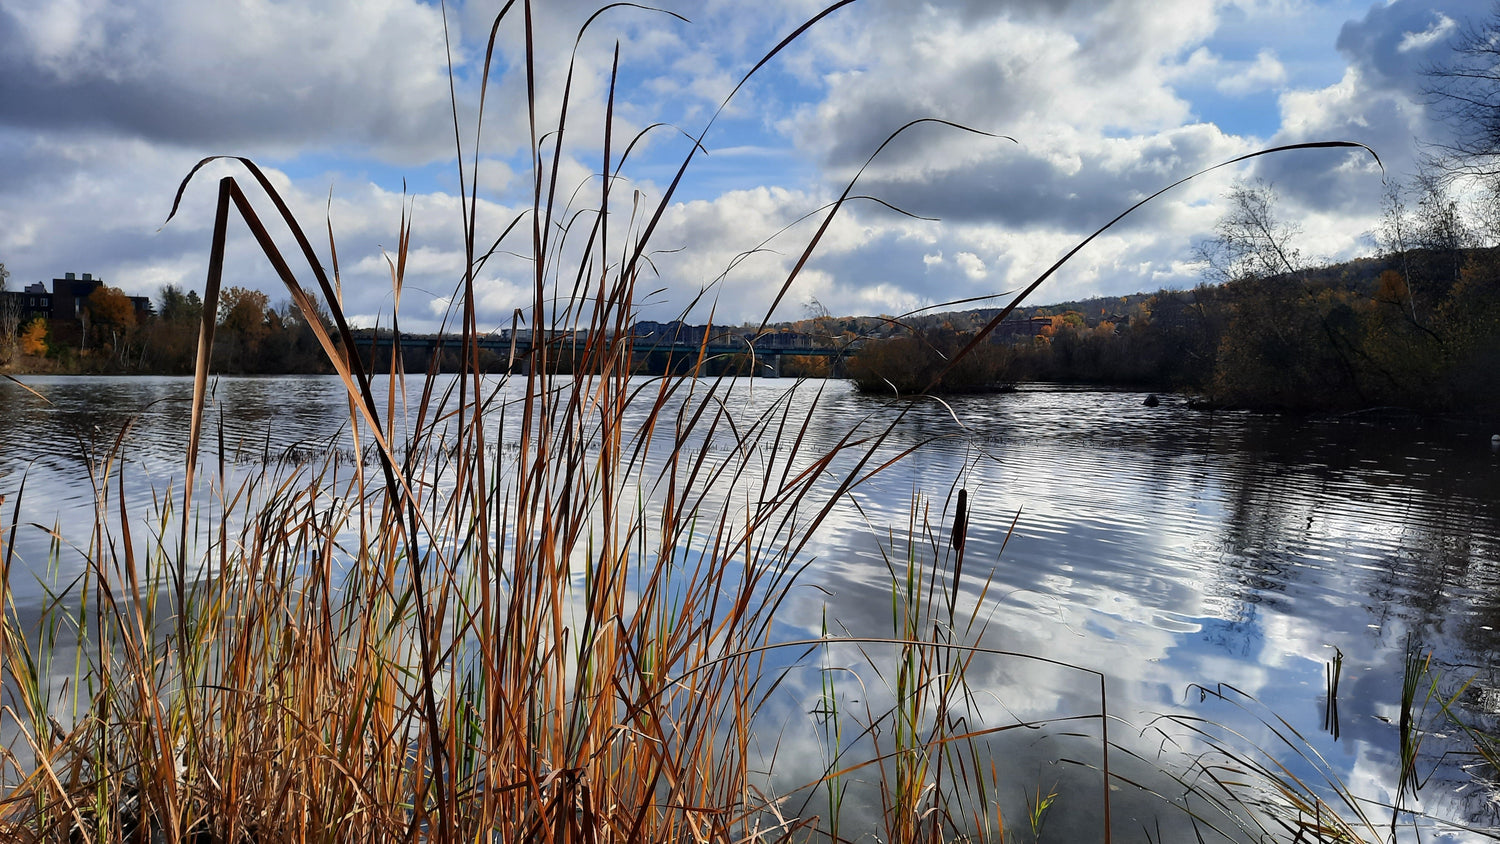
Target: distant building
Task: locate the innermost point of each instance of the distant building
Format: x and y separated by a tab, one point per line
665	333
1020	330
144	310
70	294
30	303
64	305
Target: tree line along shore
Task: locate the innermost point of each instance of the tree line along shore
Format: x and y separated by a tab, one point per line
1343	337
1416	327
1418	330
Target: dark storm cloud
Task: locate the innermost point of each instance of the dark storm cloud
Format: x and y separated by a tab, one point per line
1021	188
1344	182
1392	46
28	166
195	74
1379	103
985	93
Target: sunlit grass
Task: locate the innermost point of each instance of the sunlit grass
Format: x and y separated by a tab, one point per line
565	634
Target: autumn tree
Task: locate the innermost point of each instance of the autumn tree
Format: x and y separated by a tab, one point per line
1253	253
252	336
1395	239
1291	353
1286	342
34	338
112	317
10	324
290	343
1469	320
929	361
1440	232
1421	236
243	328
1062	321
1250	240
805	366
1184	328
242	309
111	309
173	336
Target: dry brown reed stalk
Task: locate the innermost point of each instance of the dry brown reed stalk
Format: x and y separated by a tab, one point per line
514	646
562	639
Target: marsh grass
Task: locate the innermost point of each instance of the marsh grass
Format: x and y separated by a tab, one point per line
1265	781
528	617
557	639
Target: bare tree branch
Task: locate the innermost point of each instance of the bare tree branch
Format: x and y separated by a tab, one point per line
1464	92
1249	240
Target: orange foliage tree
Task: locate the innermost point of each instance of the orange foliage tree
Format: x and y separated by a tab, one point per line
110	308
111	319
34	338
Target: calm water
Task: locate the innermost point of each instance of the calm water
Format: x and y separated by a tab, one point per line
1164	547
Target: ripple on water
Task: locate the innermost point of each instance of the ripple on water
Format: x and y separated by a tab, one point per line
1162	546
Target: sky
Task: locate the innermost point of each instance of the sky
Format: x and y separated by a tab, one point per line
106	105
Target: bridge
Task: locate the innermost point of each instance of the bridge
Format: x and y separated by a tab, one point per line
768	348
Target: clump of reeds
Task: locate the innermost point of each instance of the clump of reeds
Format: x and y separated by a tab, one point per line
561	639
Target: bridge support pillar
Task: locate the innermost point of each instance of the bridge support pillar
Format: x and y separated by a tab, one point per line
770	366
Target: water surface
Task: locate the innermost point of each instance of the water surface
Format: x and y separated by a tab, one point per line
1168	549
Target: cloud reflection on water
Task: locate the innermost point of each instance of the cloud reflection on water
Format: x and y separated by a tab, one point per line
1162	547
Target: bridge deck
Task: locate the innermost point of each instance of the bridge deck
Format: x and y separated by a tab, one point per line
640	345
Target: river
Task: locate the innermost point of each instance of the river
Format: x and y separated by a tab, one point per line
1169	549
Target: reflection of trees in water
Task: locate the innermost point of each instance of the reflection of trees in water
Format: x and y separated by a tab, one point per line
1449	572
1435	559
1479	786
1405	527
78	428
1483	577
1240	636
1252	551
1294	490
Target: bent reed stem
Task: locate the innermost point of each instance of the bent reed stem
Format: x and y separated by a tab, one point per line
553	627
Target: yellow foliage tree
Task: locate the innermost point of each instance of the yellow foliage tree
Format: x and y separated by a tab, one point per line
244	311
34	338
